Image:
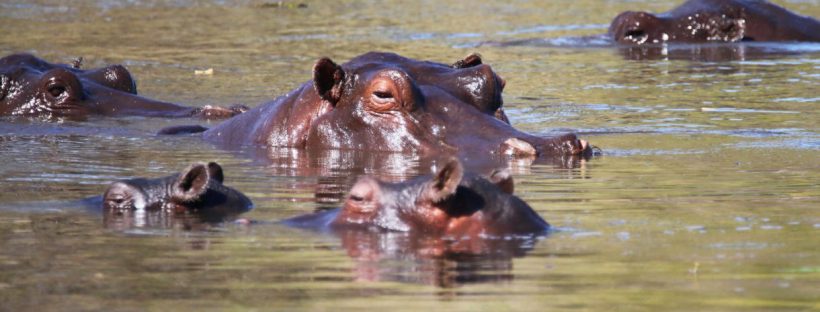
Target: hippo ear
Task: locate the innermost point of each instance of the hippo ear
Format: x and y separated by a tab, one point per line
474	59
445	182
327	79
191	183
215	170
503	180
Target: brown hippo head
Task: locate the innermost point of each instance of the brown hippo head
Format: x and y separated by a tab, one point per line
451	203
698	21
386	102
30	86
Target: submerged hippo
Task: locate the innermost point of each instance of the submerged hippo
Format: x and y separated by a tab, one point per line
198	188
448	204
697	21
30	86
386	102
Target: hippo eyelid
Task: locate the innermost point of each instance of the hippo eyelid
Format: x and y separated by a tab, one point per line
383	94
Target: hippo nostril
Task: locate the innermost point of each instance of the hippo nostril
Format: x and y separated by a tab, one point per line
634	34
363	190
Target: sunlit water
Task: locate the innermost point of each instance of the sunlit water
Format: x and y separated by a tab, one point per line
706	197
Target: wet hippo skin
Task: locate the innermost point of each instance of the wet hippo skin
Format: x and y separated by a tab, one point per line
386	102
32	87
198	188
698	21
451	203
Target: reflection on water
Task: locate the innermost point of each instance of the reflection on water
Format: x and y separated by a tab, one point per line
705	197
440	261
717	52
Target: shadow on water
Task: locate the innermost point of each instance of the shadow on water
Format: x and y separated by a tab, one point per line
719	52
148	222
705	52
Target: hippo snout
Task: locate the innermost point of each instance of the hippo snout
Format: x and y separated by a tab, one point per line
568	144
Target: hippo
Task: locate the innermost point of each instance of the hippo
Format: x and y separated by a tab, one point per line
197	189
32	87
700	21
389	103
451	203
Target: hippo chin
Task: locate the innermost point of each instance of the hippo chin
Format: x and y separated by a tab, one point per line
386	102
198	188
448	204
32	87
698	21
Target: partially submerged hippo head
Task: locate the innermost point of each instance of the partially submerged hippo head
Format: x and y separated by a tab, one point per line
198	188
698	21
386	102
30	86
450	203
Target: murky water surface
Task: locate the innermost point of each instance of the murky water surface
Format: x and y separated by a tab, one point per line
706	197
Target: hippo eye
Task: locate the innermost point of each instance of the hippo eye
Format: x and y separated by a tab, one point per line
118	201
382	101
57	90
356	198
383	95
62	85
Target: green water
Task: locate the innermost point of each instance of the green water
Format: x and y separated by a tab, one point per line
706	197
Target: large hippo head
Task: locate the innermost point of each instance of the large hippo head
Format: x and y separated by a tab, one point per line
30	86
451	203
697	21
386	102
198	188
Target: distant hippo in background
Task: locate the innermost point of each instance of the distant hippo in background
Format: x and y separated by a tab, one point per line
198	188
33	87
451	203
386	102
698	21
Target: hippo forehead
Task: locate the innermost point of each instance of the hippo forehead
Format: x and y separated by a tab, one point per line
374	60
24	60
26	66
715	7
476	85
422	72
